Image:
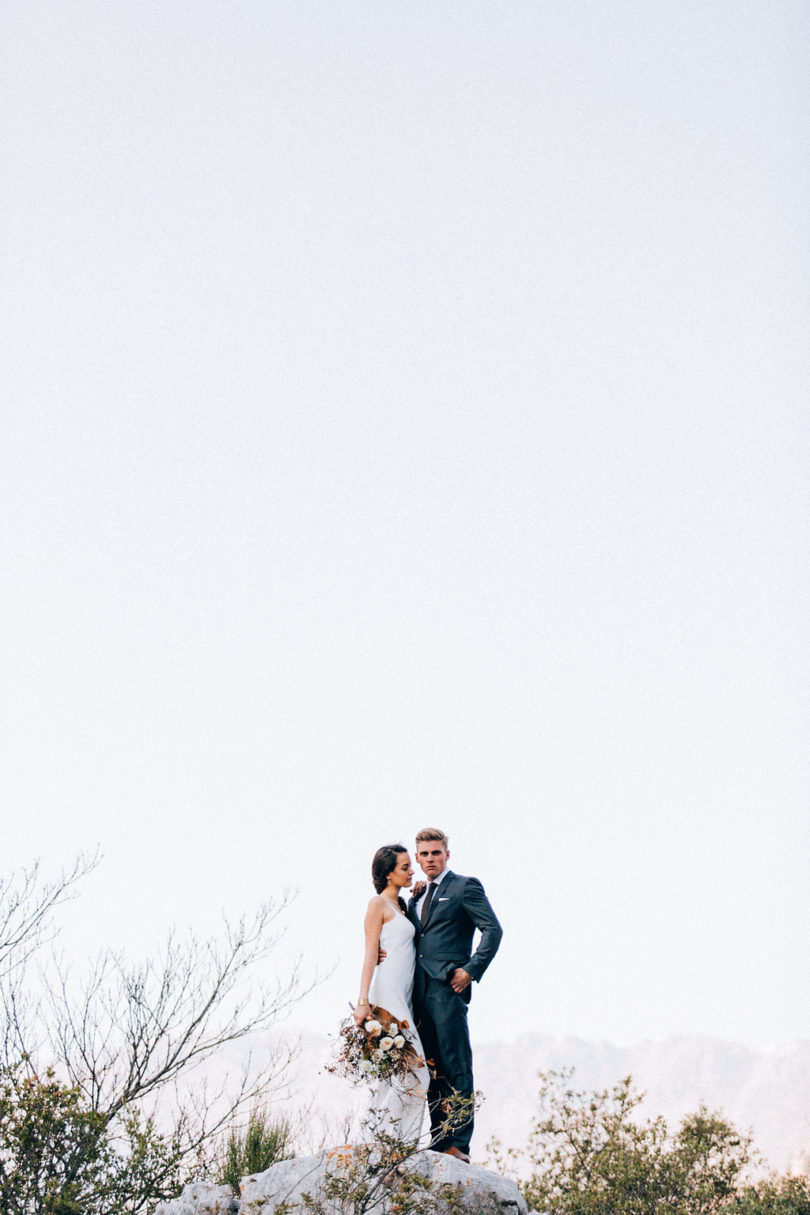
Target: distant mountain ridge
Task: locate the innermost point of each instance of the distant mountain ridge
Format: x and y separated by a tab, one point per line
765	1092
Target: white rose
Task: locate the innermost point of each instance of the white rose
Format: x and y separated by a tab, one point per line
386	1043
373	1028
366	1066
399	1041
378	1056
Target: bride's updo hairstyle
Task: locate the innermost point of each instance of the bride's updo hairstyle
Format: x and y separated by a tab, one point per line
384	863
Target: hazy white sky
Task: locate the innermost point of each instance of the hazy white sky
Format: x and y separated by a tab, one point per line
405	423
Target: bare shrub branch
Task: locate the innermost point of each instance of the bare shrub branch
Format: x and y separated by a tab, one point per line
127	1030
26	904
135	1036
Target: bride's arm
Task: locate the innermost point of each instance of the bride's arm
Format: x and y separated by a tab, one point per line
372	927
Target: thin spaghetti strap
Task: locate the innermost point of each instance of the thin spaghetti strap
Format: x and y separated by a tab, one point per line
394	910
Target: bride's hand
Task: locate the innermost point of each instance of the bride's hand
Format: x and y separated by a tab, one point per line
361	1014
418	890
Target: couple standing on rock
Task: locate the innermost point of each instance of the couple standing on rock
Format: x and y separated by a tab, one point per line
418	965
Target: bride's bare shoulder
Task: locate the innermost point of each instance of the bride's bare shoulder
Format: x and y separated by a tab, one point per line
378	906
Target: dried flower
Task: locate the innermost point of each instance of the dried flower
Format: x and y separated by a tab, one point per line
377	1049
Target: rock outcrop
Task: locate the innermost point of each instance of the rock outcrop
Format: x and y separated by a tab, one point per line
441	1183
202	1198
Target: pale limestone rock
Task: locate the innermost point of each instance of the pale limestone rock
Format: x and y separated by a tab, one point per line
477	1191
202	1198
480	1192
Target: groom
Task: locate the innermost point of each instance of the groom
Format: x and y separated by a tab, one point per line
445	916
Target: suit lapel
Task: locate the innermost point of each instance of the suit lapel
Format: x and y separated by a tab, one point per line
441	892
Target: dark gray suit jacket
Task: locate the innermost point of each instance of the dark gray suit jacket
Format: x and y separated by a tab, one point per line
459	906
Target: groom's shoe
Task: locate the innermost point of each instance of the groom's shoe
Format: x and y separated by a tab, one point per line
457	1152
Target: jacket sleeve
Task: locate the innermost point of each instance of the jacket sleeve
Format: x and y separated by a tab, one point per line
478	908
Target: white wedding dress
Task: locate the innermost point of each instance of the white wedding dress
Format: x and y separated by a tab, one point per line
397	1106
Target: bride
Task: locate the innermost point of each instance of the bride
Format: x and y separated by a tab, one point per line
397	1105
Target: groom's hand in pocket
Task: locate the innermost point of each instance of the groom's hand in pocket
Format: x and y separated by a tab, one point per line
460	980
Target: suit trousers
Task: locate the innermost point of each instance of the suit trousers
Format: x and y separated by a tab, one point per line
441	1018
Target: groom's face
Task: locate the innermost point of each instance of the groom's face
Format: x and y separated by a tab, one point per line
432	857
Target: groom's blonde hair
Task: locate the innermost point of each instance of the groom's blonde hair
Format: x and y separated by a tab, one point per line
432	833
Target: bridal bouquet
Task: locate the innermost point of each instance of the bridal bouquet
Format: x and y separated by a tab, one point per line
377	1049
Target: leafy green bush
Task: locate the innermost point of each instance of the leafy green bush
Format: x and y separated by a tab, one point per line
51	1149
774	1196
592	1155
60	1157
